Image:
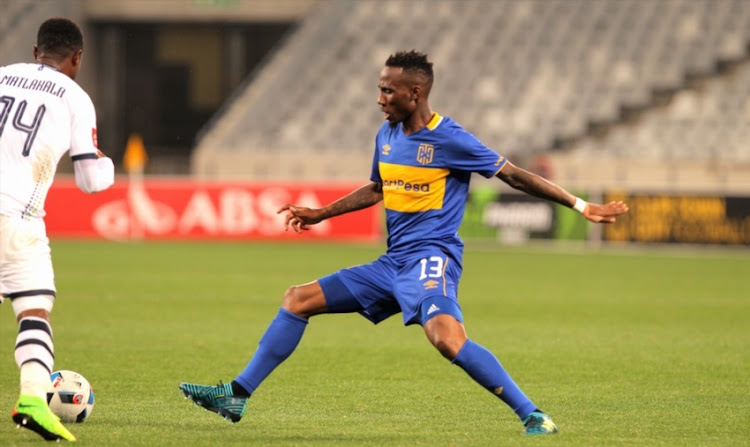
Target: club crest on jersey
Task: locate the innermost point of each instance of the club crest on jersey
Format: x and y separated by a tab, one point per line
425	153
386	149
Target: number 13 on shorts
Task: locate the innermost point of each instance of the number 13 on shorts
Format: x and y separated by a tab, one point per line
432	267
438	280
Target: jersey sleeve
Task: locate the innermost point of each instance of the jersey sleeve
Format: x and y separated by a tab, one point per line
83	138
94	175
467	153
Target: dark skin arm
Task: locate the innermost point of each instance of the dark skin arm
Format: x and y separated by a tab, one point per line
300	218
537	186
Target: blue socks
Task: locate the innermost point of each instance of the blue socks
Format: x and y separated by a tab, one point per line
285	332
278	343
486	370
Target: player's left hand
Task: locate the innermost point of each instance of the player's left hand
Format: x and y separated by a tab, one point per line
299	217
604	213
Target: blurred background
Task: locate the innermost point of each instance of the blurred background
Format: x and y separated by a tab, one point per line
240	104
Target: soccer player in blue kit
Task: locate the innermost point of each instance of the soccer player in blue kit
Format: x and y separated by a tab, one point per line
421	169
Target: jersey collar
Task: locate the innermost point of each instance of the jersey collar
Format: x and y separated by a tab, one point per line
434	121
42	66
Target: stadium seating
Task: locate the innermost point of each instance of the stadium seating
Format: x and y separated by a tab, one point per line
522	75
13	14
20	19
710	122
527	77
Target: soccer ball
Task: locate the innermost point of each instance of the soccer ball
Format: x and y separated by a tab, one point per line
70	396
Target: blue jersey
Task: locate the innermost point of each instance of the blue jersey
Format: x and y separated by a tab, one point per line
425	179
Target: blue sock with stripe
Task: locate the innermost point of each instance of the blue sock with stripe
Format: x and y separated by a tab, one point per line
278	343
486	370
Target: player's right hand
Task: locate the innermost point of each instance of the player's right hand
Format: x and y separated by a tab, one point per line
299	217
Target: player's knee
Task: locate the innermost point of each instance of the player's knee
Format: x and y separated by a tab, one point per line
447	334
297	301
448	346
305	300
38	313
38	306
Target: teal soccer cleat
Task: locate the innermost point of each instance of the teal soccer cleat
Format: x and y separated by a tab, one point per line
217	398
539	424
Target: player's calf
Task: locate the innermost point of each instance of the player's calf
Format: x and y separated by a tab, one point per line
34	354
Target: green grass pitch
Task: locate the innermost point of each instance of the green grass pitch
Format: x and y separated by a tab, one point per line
622	348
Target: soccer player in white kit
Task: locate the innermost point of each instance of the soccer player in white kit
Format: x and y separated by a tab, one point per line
43	114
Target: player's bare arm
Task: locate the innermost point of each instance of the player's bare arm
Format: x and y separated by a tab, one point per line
300	218
537	186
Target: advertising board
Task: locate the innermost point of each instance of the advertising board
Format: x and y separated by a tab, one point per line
186	209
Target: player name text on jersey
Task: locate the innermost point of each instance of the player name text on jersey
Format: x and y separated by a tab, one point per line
33	84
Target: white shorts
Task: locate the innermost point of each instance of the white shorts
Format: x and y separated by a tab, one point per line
25	259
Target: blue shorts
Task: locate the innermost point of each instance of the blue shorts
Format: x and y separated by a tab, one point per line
420	288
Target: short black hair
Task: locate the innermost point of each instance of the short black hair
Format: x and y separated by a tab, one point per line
413	61
59	36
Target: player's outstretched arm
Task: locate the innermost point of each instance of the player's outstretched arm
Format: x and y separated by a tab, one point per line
300	217
540	187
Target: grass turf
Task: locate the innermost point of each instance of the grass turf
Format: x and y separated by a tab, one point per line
620	347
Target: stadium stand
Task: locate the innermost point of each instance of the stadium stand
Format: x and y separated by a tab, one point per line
708	122
20	19
15	13
525	76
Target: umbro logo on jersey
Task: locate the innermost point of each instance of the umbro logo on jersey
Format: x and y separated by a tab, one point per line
433	308
431	284
386	149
